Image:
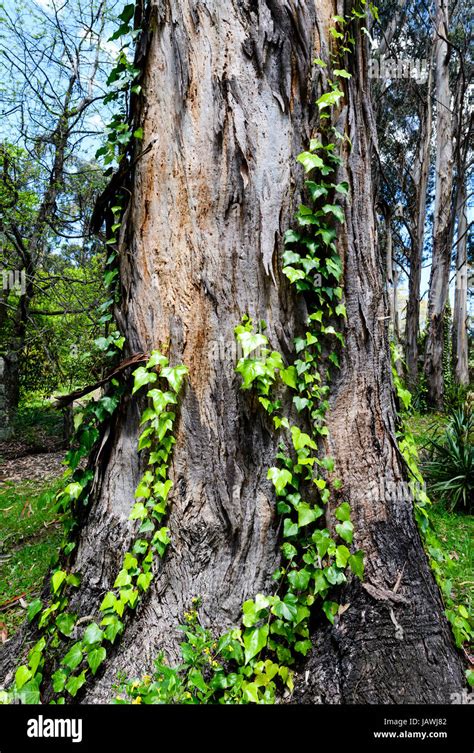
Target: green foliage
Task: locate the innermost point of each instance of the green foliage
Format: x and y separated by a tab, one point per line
462	623
450	471
54	620
58	625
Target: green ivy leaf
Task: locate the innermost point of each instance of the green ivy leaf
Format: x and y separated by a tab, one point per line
307	514
142	376
301	403
310	161
59	680
22	675
92	635
342	73
122	579
289	377
335	210
57	579
289	528
342	555
343	512
330	609
75	683
345	531
74	656
342	188
288	550
302	647
255	640
65	623
175	376
139	511
356	563
113	627
33	608
280	477
95	658
250	369
144	580
316	190
329	99
299	579
294	274
301	440
108	601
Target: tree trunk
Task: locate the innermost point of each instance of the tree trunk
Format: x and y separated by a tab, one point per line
392	645
460	336
442	226
420	182
228	104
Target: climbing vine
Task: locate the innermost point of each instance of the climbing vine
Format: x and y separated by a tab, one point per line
87	653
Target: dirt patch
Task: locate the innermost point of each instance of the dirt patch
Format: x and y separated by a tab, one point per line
32	467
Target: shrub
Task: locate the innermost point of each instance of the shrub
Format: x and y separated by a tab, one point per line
450	470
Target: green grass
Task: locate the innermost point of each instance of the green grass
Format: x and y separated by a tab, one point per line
456	534
426	426
29	535
37	420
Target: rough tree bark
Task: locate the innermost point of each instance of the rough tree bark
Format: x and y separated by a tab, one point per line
442	226
228	103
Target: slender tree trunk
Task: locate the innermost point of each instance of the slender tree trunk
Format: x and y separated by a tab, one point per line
441	256
420	181
228	92
460	336
395	314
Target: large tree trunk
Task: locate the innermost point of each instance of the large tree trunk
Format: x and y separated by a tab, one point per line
228	102
420	182
442	226
460	337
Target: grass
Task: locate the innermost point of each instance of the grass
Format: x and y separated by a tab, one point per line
456	534
29	535
426	426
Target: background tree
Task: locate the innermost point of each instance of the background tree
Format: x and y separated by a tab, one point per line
56	63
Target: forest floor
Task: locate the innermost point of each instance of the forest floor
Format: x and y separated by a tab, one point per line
30	530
